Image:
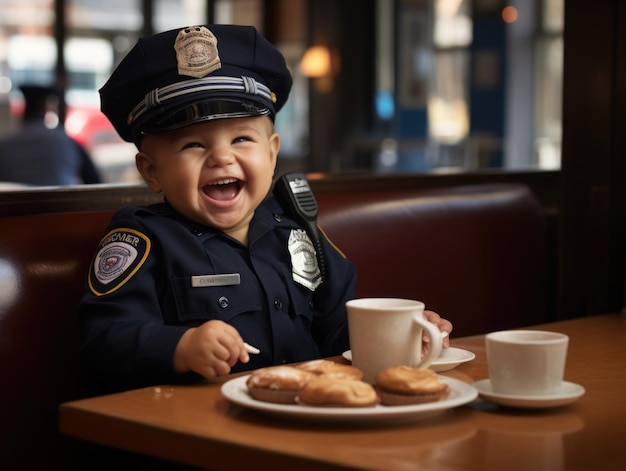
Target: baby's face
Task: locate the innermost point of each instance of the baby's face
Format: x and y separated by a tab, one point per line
215	173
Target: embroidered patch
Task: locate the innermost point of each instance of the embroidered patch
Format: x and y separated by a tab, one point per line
120	255
304	266
196	52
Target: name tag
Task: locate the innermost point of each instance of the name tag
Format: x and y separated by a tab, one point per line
227	279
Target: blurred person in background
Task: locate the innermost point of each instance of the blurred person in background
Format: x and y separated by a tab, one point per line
38	155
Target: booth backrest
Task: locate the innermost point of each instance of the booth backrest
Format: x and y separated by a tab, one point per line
474	254
44	260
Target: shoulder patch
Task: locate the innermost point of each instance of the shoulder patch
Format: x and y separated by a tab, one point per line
120	255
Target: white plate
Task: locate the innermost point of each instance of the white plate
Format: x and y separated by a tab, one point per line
570	392
448	358
461	393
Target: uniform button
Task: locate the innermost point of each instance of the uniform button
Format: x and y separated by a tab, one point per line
284	361
278	218
278	304
223	302
311	304
197	232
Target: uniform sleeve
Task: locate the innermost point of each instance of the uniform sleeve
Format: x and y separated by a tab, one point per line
126	342
330	328
89	173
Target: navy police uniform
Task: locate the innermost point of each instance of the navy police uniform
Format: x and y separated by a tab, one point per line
37	155
156	273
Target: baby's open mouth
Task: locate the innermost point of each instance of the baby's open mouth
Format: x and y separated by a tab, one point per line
223	189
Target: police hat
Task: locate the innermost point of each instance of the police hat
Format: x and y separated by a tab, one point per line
37	98
38	92
194	74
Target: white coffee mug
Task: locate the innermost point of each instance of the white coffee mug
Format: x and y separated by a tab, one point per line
388	332
526	362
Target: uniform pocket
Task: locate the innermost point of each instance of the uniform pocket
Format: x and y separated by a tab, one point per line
302	302
214	302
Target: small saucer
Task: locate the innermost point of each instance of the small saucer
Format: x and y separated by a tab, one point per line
570	392
448	359
451	358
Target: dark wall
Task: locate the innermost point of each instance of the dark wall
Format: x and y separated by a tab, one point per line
348	26
593	181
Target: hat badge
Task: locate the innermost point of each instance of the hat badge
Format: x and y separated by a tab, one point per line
196	52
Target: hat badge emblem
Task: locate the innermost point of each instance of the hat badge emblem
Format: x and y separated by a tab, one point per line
196	52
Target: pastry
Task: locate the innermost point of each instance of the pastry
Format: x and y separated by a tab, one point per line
333	391
402	385
328	367
280	384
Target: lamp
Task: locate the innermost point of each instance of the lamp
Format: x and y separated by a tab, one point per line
317	64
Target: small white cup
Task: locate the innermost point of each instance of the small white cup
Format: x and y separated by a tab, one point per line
388	332
526	362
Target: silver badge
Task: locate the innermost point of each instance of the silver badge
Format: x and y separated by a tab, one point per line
303	260
196	52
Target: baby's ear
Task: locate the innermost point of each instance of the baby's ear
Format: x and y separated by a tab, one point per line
274	148
147	169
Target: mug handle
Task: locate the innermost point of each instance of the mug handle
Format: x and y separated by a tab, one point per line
435	345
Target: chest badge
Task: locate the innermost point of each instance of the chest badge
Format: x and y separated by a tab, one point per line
303	260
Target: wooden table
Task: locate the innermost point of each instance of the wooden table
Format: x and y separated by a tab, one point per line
198	426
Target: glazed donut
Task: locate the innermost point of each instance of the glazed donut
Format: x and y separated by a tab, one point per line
328	367
280	384
401	385
333	391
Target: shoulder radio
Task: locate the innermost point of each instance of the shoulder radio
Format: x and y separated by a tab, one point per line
294	193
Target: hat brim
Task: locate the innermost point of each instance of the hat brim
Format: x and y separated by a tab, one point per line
203	111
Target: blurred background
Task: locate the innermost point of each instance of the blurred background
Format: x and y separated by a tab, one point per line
430	92
379	85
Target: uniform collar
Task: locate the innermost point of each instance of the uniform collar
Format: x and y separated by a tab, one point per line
268	216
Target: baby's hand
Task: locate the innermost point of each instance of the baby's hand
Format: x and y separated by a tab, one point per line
210	349
445	326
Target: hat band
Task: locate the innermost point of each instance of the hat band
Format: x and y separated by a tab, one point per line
203	111
221	84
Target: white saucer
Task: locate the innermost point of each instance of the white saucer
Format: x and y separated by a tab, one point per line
448	359
570	392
